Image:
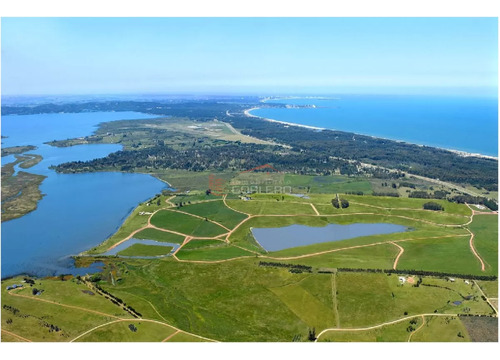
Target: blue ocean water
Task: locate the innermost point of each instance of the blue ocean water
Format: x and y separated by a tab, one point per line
79	210
467	124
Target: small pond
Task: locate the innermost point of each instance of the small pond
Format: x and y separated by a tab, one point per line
133	241
274	239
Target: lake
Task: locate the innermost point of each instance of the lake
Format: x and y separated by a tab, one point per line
78	211
467	124
275	239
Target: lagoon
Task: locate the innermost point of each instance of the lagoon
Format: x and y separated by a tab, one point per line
275	239
78	211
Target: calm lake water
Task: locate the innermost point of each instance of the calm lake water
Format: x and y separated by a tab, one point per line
274	239
460	123
132	241
78	211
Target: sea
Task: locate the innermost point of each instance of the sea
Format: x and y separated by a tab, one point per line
468	124
78	211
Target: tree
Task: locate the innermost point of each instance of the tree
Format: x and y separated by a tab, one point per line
340	202
433	206
312	334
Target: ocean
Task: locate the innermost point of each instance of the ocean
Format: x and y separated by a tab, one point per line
461	123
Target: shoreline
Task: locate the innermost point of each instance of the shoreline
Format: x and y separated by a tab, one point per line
458	152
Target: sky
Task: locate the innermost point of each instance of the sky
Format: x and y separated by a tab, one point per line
58	56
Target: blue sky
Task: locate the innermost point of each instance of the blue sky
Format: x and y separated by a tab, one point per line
249	55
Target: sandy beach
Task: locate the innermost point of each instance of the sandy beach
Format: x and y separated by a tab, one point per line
458	152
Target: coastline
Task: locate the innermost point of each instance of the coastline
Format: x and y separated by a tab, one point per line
458	152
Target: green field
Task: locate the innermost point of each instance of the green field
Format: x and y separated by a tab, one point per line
485	229
145	250
448	255
216	211
326	184
186	224
216	287
158	235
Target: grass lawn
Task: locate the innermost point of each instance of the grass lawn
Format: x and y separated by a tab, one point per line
391	333
366	299
212	253
326	184
120	331
307	307
158	235
216	211
439	329
450	255
196	244
183	337
269	207
31	319
391	202
186	224
372	257
145	250
490	288
485	229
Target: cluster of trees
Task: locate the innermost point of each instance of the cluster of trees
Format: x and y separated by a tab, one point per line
199	109
421	273
420	160
234	157
116	300
433	206
340	203
391	194
290	266
462	199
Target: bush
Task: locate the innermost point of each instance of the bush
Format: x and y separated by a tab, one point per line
433	206
339	202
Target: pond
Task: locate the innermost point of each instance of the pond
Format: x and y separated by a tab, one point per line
274	239
132	241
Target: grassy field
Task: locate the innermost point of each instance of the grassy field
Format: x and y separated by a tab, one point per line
222	252
449	255
216	211
158	235
31	318
440	329
120	331
366	299
397	332
145	250
326	184
186	224
485	228
263	207
219	290
244	302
